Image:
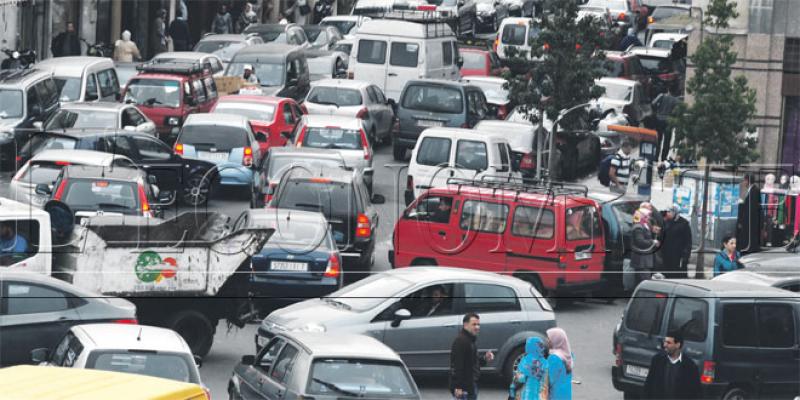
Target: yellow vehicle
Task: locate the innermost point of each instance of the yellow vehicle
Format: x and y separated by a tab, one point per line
27	382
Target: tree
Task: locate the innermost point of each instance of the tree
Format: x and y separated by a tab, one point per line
712	127
569	60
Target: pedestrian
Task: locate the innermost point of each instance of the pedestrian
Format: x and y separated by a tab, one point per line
728	258
643	245
748	217
671	375
223	23
66	43
629	40
559	365
247	17
158	35
676	244
248	76
465	363
664	104
179	32
125	50
620	169
530	380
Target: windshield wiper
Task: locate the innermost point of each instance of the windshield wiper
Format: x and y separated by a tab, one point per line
336	388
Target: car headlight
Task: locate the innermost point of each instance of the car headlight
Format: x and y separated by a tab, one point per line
173	121
311	327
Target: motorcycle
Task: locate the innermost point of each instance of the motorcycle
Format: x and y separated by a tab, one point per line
18	59
98	49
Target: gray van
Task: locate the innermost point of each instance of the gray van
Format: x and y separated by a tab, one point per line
83	78
282	69
744	339
430	103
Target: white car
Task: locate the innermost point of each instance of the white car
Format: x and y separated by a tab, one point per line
214	61
356	99
44	168
347	25
136	349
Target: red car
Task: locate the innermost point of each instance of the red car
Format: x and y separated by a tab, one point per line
479	62
272	118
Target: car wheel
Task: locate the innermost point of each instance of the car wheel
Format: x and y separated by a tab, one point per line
196	190
736	394
399	152
195	328
512	362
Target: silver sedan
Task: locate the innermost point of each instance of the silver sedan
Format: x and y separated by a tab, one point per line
99	116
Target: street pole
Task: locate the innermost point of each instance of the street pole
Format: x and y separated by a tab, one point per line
539	143
700	267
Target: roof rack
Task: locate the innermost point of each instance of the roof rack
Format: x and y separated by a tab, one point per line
16	73
435	20
549	188
173	67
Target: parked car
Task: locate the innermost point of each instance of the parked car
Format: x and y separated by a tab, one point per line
225	46
344	46
83	78
511	311
282	70
666	71
479	62
325	64
497	96
99	115
342	197
226	140
743	338
272	118
310	365
625	97
299	261
291	34
45	167
135	349
521	139
280	161
348	25
354	99
39	310
212	61
516	33
626	65
427	103
322	37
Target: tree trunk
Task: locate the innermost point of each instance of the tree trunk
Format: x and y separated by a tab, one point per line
539	144
699	272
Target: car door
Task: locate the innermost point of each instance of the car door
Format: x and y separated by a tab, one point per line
108	84
690	316
91	92
32	316
274	384
157	159
482	225
583	244
449	61
254	377
383	110
500	311
531	243
404	60
431	166
779	351
287	121
369	63
642	332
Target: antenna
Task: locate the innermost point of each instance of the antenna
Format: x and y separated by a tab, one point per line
139	336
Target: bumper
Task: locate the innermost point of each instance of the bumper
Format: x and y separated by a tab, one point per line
632	386
231	175
292	289
587	287
407	137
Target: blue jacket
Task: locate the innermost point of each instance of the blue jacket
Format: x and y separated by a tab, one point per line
533	370
723	263
559	379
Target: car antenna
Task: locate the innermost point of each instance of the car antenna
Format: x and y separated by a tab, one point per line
139	336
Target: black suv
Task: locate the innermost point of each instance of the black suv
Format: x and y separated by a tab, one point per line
342	196
190	178
26	96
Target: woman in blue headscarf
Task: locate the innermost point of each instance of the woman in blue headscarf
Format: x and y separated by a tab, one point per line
530	378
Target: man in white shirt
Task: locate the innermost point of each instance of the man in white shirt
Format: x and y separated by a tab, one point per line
620	170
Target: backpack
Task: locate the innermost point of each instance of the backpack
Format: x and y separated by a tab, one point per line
603	168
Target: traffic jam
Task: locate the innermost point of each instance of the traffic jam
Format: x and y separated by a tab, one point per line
363	208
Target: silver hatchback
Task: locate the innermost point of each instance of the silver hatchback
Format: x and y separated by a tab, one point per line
417	312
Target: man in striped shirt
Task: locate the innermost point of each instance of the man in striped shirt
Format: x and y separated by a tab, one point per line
620	169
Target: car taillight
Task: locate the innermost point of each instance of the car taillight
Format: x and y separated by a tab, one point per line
300	137
363	229
350	75
618	355
179	148
666	77
363	113
333	269
60	190
527	161
650	19
496	43
365	145
247	160
145	204
621	16
410	183
127	321
708	372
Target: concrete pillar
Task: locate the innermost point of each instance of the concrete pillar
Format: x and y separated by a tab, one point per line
9	15
116	20
88	22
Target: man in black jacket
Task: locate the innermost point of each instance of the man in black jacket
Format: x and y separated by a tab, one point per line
66	43
465	364
671	375
677	244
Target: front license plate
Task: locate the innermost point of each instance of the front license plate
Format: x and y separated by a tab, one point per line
211	156
289	266
635	370
429	123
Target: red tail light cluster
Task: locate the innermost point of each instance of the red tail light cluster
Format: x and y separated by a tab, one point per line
333	269
527	161
127	321
300	137
60	190
365	145
145	204
178	148
270	193
247	160
708	372
363	113
618	355
363	228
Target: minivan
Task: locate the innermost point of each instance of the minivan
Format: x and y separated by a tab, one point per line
389	53
281	69
83	78
742	337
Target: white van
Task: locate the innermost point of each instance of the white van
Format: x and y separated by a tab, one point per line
388	53
445	153
515	32
83	78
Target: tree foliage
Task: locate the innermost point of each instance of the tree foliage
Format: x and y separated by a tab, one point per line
713	126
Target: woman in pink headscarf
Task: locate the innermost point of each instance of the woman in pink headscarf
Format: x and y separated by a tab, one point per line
559	365
643	245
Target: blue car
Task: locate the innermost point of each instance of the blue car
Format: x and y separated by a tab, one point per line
299	261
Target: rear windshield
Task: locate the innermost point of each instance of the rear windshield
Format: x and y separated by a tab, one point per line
335	96
41	172
267	74
438	99
222	138
656	65
646	311
514	34
329	198
45	142
359	378
332	138
617	92
302	236
65	119
343	26
491	90
168	366
153	92
434	151
278	165
94	193
474	60
252	111
212	46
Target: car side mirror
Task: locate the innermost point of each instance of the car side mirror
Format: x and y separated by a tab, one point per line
378	199
146	127
198	361
261	137
40	355
44	189
129	128
400	316
39	126
460	61
248	360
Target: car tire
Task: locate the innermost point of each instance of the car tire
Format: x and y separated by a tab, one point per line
398	152
195	328
537	284
511	363
628	395
736	394
196	190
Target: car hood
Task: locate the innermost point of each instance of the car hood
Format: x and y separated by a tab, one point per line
299	315
767	258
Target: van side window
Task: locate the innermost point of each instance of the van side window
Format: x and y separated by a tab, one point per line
434	151
371	51
91	88
471	154
504	165
689	316
211	87
646	312
776	325
109	85
199	90
582	223
739	325
404	54
447	53
533	222
483	217
25	298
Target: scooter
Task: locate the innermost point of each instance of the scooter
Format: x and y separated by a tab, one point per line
18	59
98	49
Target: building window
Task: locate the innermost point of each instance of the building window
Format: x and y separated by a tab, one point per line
791	56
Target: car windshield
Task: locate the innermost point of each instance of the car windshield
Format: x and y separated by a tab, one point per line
360	296
303	236
329	198
340	378
268	74
319	68
210	46
474	60
343	26
103	194
666	12
39	172
332	138
513	34
280	165
334	96
251	111
69	88
220	137
663	44
65	119
169	366
439	99
154	93
492	90
617	92
10	103
656	65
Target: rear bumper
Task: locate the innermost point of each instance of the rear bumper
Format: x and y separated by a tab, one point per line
635	387
235	175
268	288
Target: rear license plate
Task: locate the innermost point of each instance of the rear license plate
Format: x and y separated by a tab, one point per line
636	371
289	266
210	156
429	123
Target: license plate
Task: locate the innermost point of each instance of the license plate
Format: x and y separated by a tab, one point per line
635	370
429	123
289	266
210	156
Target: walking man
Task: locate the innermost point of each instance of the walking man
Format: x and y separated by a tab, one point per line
223	23
465	364
677	246
664	104
671	375
620	169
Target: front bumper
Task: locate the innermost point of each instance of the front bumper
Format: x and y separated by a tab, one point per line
235	175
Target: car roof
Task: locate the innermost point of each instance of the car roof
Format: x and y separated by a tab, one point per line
270	216
184	55
346	345
442	82
616	81
224	37
650	51
515	20
270	27
316	120
722	289
247	98
266	51
14	78
84	157
398	28
353	18
95	172
216	119
132	337
512	195
343	83
460	133
302	152
95	106
669	36
615	198
72	66
756	276
440	273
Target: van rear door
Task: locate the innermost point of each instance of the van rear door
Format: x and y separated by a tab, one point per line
404	65
369	60
430	166
642	332
583	244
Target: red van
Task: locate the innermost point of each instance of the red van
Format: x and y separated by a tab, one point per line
552	238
